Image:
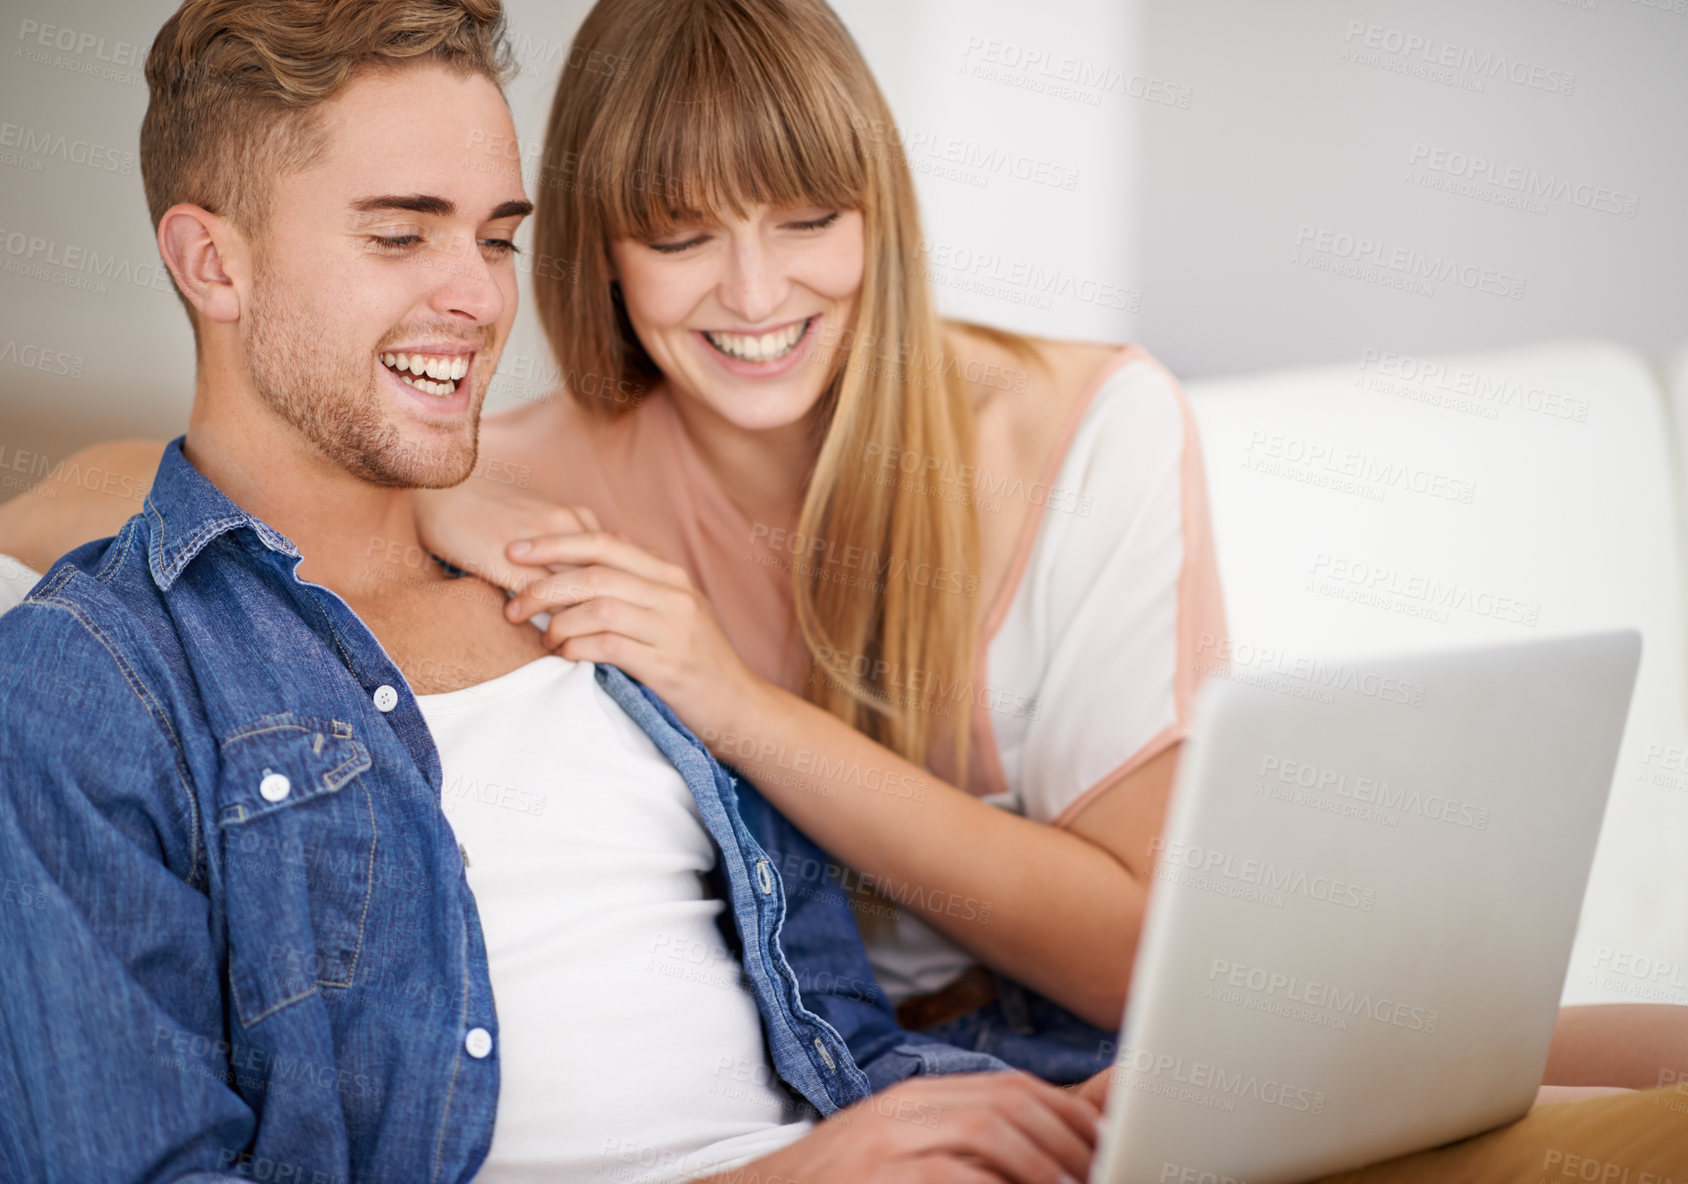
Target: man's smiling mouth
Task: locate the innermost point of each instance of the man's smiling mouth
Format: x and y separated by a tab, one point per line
432	374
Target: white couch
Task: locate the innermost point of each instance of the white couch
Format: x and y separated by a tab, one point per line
1393	504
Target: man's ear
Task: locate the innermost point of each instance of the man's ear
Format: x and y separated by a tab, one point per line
203	252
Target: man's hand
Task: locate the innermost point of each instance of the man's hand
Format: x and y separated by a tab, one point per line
1095	1091
974	1128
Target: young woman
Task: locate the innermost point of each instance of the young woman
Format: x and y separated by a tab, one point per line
935	590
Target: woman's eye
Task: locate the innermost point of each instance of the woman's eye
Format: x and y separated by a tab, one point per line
817	223
676	248
501	246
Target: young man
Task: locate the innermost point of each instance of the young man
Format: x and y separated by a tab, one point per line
239	934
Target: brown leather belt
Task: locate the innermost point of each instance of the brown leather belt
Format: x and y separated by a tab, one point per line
971	991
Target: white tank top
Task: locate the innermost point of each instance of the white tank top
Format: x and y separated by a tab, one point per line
630	1045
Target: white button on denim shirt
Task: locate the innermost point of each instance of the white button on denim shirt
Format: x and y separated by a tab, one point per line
274	787
478	1043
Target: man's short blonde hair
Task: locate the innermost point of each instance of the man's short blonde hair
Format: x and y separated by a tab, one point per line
235	85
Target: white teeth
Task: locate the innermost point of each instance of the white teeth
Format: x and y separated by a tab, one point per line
765	348
442	370
431	388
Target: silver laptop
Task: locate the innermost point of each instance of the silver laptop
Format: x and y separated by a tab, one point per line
1363	907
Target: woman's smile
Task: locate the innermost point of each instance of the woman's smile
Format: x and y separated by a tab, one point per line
767	345
767	354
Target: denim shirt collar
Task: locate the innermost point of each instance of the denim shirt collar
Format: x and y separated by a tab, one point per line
187	513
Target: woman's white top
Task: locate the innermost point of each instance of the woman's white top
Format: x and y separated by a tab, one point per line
1094	651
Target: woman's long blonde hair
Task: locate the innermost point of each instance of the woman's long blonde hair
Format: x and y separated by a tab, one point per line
668	110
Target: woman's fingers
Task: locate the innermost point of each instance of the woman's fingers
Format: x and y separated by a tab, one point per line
559	590
582	549
606	615
611	649
641	614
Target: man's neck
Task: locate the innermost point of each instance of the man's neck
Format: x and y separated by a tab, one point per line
341	523
359	540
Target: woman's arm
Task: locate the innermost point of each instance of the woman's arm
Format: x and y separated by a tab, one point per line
1057	908
1638	1045
90	495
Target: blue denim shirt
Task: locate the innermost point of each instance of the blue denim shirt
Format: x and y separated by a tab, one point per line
205	977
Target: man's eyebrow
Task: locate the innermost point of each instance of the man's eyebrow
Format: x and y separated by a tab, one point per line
427	203
416	203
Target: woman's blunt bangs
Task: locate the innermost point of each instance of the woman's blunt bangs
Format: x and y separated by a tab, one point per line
702	122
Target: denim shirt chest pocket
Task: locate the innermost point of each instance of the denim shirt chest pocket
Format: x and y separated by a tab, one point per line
298	833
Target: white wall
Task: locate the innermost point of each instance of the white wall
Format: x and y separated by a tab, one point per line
1020	122
92	341
1292	125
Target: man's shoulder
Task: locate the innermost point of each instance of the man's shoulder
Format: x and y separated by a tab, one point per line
106	576
86	619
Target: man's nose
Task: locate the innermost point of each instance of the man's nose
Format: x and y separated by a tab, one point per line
467	288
